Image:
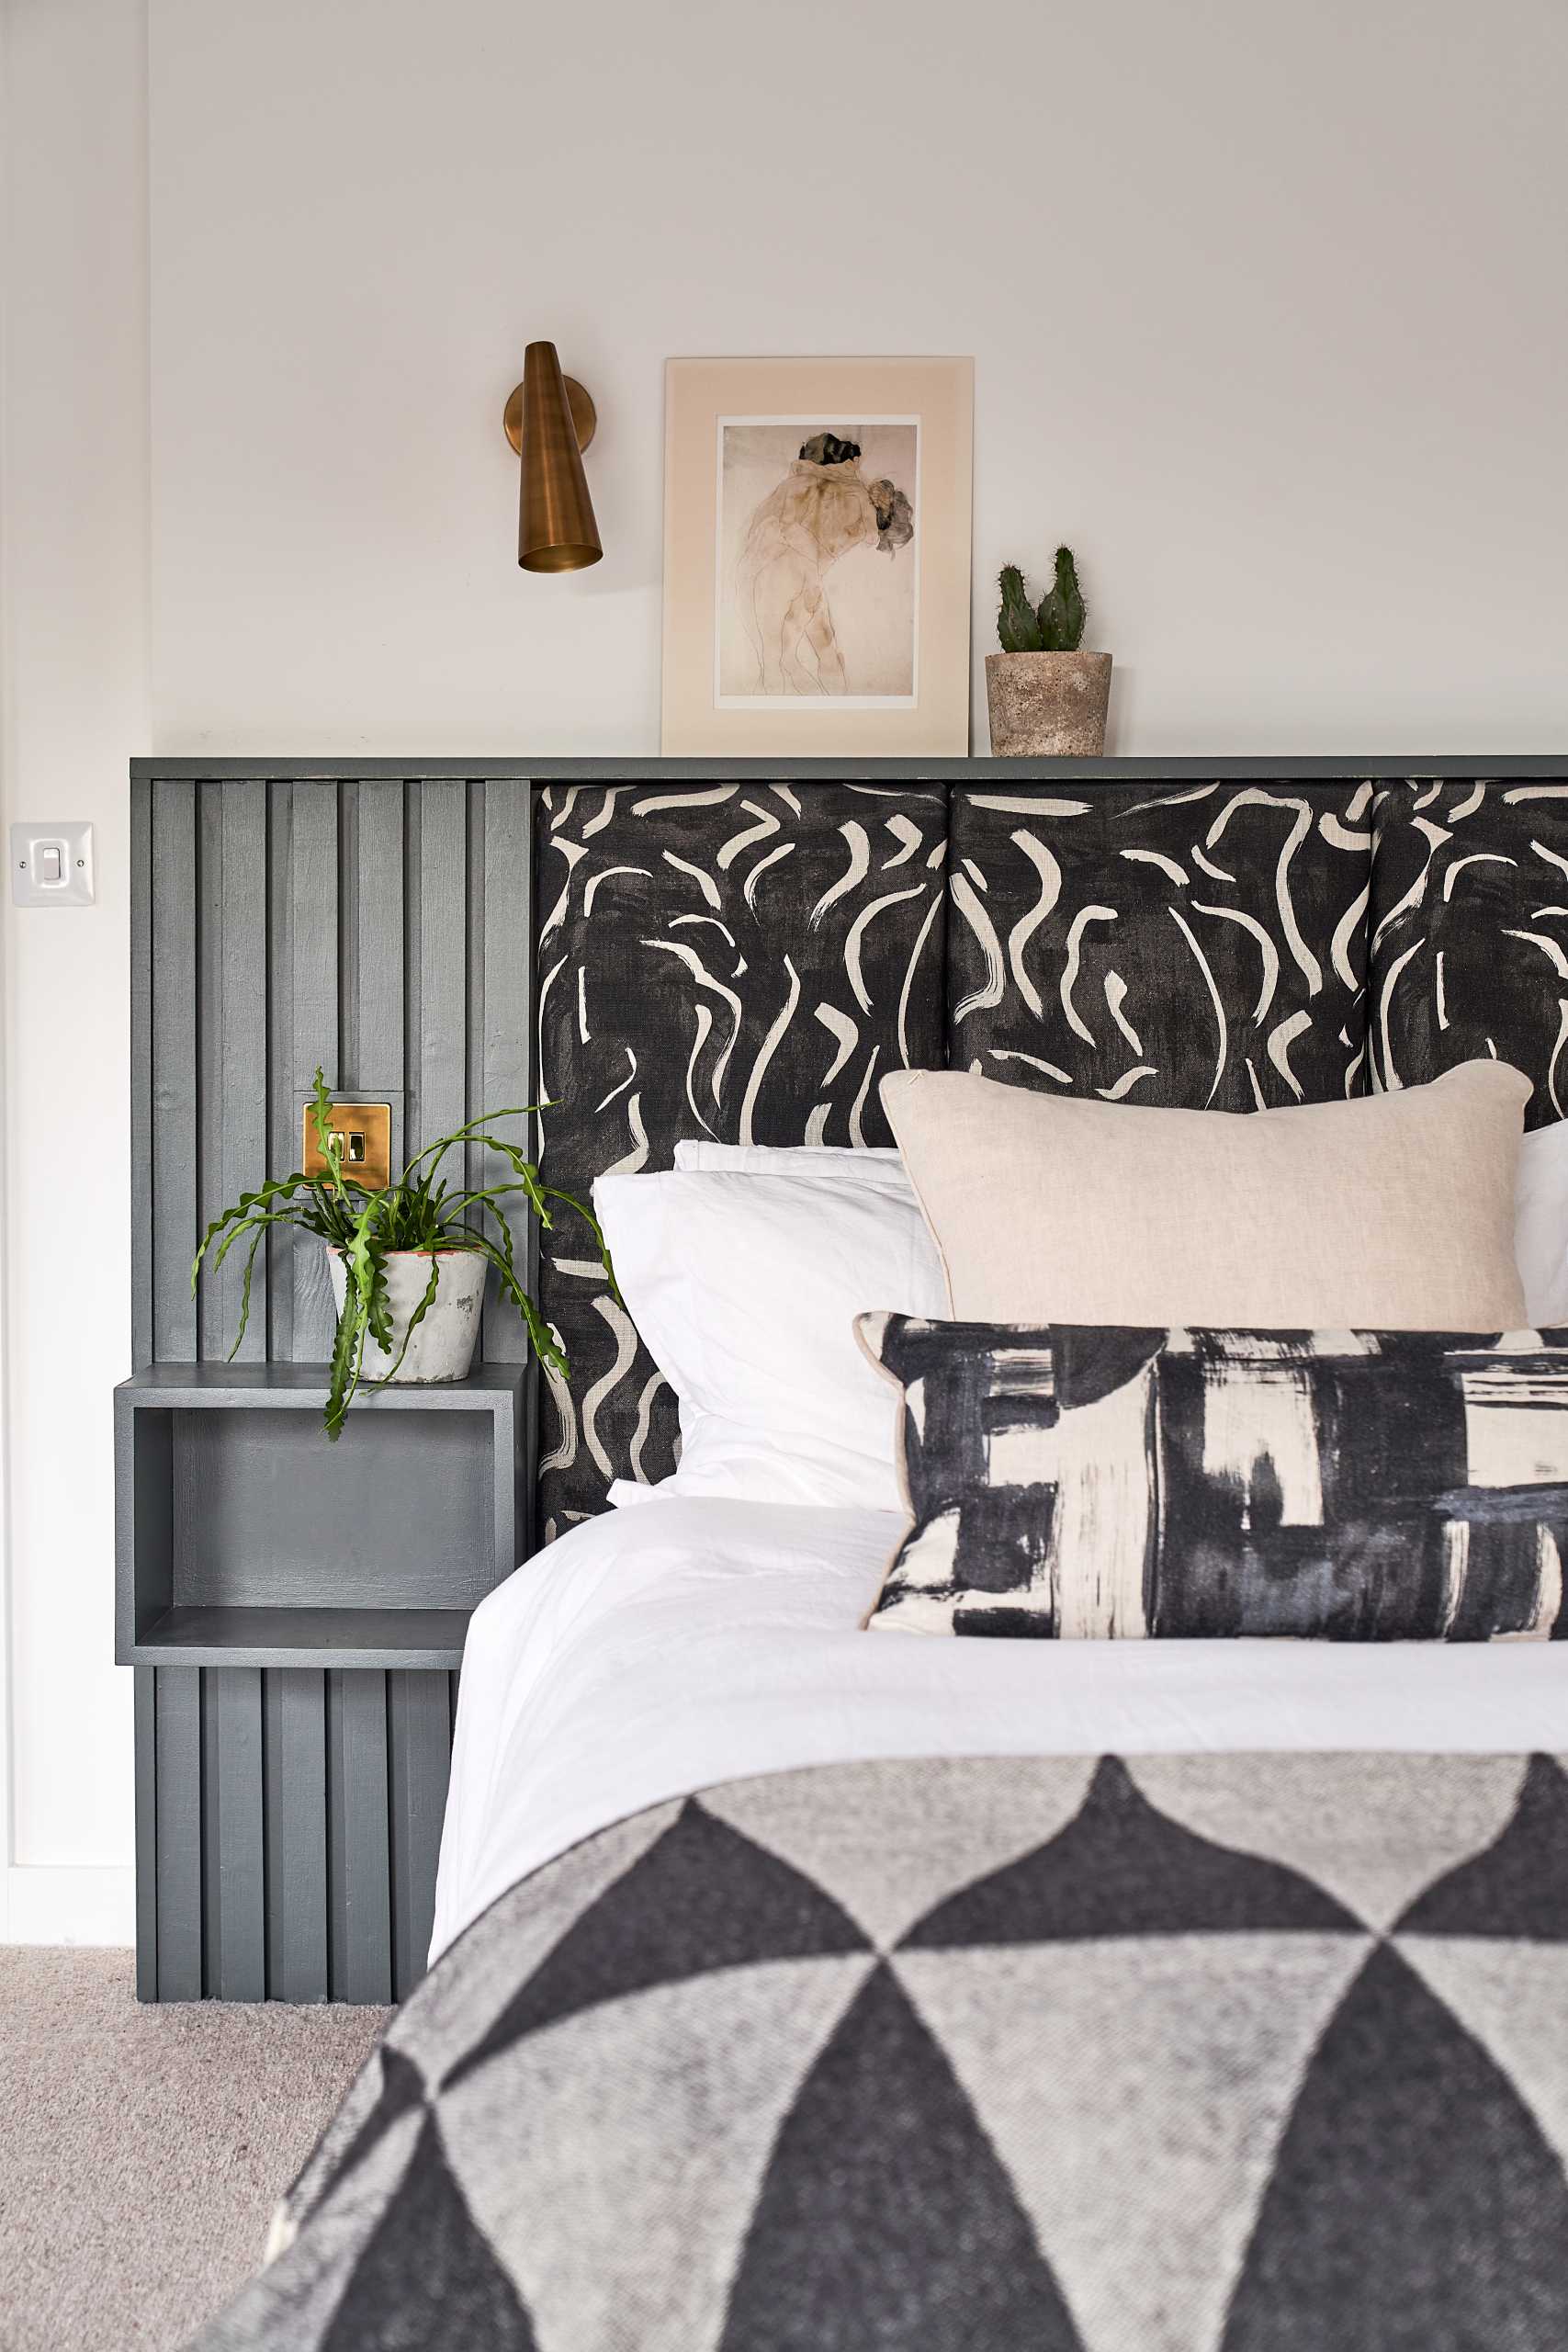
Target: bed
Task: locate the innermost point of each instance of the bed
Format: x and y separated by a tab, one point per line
799	1987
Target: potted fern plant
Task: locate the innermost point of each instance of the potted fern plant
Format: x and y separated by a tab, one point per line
1047	697
409	1262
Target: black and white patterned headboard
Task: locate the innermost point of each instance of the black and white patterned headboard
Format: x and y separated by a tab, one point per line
745	960
732	961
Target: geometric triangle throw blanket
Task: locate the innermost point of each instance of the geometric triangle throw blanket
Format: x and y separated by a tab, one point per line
1219	2054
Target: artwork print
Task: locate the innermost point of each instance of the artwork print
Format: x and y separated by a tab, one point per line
817	594
817	558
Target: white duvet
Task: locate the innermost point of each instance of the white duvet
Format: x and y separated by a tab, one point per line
656	1651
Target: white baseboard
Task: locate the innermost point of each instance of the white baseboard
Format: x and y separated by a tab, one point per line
55	1903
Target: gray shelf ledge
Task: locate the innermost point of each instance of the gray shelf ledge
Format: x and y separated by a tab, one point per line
395	1639
212	1387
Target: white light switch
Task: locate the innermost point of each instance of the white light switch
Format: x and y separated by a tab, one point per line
51	865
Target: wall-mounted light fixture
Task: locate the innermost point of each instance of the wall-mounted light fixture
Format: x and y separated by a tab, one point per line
549	422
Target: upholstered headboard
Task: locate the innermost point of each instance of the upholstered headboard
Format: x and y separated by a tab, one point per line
744	960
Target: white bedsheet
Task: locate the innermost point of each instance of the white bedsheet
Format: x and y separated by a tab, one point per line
656	1651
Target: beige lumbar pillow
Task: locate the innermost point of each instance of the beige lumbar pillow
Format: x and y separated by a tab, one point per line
1392	1212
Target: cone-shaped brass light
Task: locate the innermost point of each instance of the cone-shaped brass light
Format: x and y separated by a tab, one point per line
550	419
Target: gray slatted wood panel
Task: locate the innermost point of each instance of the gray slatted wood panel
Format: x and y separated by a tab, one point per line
178	1753
242	1060
174	1071
146	1714
236	1908
314	1009
282	1123
359	1918
379	946
443	962
381	926
296	1750
230	1058
142	1117
420	1725
213	1333
507	981
474	985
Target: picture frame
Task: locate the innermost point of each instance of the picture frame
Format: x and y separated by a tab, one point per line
817	557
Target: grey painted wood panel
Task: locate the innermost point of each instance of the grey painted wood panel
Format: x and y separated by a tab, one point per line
507	1029
266	1514
174	1014
145	1683
358	1847
443	962
142	1110
236	1969
178	1755
474	987
242	1058
212	1338
315	981
281	916
230	1046
295	1779
282	1130
378	945
420	1727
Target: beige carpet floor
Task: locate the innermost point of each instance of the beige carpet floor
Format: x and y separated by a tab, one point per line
141	2148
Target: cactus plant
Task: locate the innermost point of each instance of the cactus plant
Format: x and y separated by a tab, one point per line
1054	626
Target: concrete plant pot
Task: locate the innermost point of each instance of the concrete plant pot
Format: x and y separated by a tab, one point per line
442	1347
1048	705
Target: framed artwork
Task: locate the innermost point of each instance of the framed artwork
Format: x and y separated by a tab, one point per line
817	557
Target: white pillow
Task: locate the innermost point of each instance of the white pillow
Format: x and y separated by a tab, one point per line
1540	1223
875	1164
745	1288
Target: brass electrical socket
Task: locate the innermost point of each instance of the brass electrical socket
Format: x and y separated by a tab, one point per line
368	1126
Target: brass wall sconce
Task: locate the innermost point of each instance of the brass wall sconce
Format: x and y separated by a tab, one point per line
549	422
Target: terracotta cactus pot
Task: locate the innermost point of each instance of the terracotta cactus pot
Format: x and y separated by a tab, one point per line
1048	705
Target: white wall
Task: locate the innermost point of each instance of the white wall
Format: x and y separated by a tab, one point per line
1265	305
74	693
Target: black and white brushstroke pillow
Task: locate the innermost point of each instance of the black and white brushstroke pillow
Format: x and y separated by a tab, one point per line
1094	1481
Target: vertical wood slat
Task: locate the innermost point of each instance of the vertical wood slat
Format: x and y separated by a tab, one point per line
442	934
211	1340
360	1891
141	1119
236	1961
281	1129
146	1741
175	917
241	1056
412	1115
295	1748
475	1100
178	1757
314	853
419	1758
377	947
507	1056
344	1073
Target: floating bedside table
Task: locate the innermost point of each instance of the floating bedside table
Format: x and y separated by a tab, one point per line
296	1612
